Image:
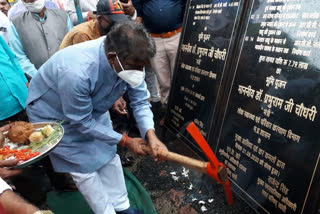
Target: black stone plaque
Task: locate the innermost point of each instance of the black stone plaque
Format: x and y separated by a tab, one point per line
270	135
262	108
208	33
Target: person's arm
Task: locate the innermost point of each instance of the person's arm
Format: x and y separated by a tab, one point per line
139	20
141	107
77	107
12	204
6	173
120	106
144	117
155	144
17	48
129	10
5	128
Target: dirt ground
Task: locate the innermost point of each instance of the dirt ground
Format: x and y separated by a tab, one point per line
177	190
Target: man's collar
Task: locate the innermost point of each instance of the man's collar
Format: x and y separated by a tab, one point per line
36	15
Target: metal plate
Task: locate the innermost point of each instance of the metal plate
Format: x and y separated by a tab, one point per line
45	150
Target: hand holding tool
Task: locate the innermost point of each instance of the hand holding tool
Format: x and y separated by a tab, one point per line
213	168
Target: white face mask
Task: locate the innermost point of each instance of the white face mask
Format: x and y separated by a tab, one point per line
133	77
34	7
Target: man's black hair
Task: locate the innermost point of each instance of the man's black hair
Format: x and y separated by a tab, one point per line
130	39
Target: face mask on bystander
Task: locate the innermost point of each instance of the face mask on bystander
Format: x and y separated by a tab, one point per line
34	7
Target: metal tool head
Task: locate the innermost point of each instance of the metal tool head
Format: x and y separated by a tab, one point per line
215	169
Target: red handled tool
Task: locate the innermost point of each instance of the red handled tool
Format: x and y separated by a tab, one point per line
215	169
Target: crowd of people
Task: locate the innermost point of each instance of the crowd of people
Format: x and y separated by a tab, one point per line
120	59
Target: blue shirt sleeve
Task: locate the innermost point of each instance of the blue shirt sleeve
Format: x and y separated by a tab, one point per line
78	107
70	25
141	108
17	48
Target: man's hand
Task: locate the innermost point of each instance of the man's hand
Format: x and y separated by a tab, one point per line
120	106
155	144
5	128
91	15
7	173
136	145
139	20
128	8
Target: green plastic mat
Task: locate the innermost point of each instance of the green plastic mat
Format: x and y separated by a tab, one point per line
138	196
74	203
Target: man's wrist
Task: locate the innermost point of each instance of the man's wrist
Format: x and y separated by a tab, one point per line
123	140
150	134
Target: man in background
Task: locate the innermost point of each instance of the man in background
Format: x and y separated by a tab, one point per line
163	19
89	6
36	34
14	91
5	6
19	8
107	12
13	95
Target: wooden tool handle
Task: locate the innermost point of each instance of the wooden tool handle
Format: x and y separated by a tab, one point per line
180	159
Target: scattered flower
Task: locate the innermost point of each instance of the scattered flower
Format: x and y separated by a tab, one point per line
203	209
202	202
194	199
173	173
176	178
185	172
210	200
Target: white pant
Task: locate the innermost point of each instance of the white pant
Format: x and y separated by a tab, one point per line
163	63
105	189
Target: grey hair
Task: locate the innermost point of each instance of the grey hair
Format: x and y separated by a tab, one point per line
130	39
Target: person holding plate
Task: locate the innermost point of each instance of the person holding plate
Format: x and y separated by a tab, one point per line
78	85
